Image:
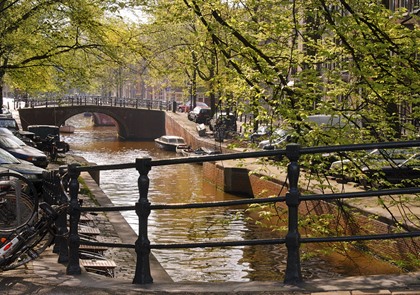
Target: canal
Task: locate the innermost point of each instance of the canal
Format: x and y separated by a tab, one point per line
184	184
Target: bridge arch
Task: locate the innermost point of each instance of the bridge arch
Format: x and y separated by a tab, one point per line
142	124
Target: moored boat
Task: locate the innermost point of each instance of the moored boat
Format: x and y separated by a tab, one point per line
100	119
199	152
169	142
189	152
67	129
181	147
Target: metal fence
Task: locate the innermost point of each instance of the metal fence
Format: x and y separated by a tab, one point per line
100	101
292	199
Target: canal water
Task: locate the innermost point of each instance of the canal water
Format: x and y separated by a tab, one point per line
185	184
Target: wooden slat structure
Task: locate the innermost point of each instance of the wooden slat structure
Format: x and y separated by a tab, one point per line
93	248
101	266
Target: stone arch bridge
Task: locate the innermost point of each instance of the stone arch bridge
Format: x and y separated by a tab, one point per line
132	123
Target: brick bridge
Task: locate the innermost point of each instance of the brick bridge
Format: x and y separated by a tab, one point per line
132	122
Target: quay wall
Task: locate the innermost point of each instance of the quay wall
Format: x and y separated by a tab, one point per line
351	217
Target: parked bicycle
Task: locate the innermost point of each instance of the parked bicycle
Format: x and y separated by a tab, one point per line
26	227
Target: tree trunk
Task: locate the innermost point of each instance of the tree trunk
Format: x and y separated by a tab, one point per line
1	90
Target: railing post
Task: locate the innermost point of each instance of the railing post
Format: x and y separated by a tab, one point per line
293	273
142	246
73	267
63	250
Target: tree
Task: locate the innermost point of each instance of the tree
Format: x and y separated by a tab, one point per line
54	45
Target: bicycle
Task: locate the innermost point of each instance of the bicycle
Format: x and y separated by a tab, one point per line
26	227
18	201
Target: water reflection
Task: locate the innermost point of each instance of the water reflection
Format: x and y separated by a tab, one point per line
184	184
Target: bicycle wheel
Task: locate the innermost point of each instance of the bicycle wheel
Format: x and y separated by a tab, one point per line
18	202
15	211
31	248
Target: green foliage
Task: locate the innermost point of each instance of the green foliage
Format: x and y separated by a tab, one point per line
54	46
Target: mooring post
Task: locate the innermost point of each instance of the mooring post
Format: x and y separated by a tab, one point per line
293	270
142	246
73	267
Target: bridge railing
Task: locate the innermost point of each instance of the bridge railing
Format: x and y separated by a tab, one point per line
292	200
100	101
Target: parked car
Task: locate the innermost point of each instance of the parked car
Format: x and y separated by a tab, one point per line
27	169
25	139
278	139
262	133
20	150
200	115
374	159
405	173
9	123
6	112
187	106
47	136
223	120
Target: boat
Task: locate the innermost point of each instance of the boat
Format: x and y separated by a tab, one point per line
169	142
67	129
179	148
202	151
189	152
100	119
209	151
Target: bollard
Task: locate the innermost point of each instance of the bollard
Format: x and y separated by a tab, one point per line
142	245
293	273
73	267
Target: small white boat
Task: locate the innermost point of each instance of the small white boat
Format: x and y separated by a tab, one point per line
169	142
67	129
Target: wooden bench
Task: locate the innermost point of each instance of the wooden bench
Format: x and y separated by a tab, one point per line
100	266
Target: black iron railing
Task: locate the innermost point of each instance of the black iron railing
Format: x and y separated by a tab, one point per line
100	101
292	199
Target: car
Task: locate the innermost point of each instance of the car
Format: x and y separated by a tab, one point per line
200	115
22	151
9	123
48	136
262	132
406	173
346	168
278	139
5	112
185	108
28	170
26	139
223	120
